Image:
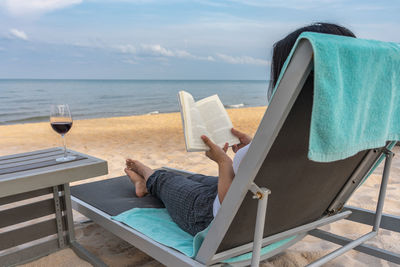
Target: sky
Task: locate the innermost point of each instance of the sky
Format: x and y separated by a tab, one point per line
168	39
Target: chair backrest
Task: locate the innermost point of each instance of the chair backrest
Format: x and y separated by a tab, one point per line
301	190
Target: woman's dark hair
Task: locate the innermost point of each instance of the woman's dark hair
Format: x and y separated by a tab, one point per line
281	49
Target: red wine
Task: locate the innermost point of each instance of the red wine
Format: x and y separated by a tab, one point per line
61	127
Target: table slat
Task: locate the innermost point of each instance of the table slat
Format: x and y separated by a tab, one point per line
26	195
27	212
36	176
34	160
37	152
6	162
30	253
36	165
28	233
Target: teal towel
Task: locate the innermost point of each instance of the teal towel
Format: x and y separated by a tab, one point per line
356	95
158	225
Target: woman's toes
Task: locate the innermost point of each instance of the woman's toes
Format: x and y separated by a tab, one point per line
140	184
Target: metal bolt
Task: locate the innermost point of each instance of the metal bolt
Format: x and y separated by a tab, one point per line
258	195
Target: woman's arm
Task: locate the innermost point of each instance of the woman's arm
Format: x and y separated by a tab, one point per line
225	167
225	178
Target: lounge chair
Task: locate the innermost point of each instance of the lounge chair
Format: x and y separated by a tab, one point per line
304	194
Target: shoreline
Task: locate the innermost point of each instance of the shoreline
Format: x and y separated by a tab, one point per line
162	80
155	112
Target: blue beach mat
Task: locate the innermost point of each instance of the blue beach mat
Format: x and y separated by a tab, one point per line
356	95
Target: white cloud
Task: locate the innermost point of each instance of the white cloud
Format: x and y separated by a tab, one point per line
126	49
242	60
18	34
156	50
36	7
185	54
160	52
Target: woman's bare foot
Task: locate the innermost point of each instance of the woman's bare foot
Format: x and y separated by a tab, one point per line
139	168
140	183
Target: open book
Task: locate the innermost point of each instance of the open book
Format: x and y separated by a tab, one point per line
205	117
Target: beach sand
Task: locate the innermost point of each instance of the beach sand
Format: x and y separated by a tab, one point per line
157	140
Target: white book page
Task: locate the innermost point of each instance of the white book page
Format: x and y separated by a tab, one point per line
194	126
216	120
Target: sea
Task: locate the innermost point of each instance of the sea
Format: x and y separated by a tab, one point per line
27	101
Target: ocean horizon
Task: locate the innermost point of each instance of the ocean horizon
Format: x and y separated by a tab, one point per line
29	100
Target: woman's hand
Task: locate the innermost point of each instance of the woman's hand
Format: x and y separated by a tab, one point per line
216	153
243	138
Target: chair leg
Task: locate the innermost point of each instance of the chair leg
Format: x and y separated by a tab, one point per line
382	192
262	195
78	249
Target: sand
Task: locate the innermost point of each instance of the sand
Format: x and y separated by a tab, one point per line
157	140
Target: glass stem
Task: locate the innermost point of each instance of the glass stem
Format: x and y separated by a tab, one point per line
65	146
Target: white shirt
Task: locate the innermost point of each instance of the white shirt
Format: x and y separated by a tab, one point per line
236	161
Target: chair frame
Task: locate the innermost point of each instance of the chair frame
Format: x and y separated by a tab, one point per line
292	82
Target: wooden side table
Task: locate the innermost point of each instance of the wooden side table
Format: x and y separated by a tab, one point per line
35	204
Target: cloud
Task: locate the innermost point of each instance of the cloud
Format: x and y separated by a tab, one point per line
18	34
185	54
36	7
242	60
126	49
156	50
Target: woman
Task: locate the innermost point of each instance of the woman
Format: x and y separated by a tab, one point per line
194	201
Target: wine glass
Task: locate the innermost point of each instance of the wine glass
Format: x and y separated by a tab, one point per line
61	122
